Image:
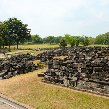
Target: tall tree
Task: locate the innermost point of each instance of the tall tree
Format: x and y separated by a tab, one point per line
16	31
1	34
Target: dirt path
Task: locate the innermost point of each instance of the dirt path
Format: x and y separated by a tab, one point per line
6	103
8	54
2	56
16	52
4	106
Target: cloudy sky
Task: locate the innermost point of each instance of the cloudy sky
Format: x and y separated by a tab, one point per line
59	17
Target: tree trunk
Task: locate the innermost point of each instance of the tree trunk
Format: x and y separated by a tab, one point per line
17	45
9	46
3	46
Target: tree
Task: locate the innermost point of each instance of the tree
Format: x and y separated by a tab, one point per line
58	39
37	39
1	41
16	31
68	38
73	41
49	39
86	41
77	41
63	43
1	34
106	35
91	40
100	39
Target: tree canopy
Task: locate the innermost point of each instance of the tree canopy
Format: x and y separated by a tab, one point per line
16	30
13	31
102	39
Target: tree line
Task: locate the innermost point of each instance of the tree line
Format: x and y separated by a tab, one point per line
102	39
15	32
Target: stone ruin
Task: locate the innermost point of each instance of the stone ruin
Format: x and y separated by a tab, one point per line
84	68
15	65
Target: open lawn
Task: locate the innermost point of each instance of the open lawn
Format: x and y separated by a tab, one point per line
99	45
35	46
28	89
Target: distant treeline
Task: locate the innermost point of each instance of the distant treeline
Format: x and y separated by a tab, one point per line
71	40
102	39
14	32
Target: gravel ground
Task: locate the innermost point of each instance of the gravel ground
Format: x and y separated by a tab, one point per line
2	56
4	106
6	103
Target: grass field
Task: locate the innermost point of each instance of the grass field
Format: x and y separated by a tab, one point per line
29	89
99	45
35	46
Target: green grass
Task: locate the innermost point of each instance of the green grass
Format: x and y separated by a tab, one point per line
29	89
99	45
35	46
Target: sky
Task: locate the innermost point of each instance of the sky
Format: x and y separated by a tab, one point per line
59	17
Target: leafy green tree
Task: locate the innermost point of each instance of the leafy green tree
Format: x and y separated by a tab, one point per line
81	40
91	40
1	33
100	39
73	41
106	38
63	43
1	41
58	39
36	39
49	39
16	31
68	38
86	41
77	38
